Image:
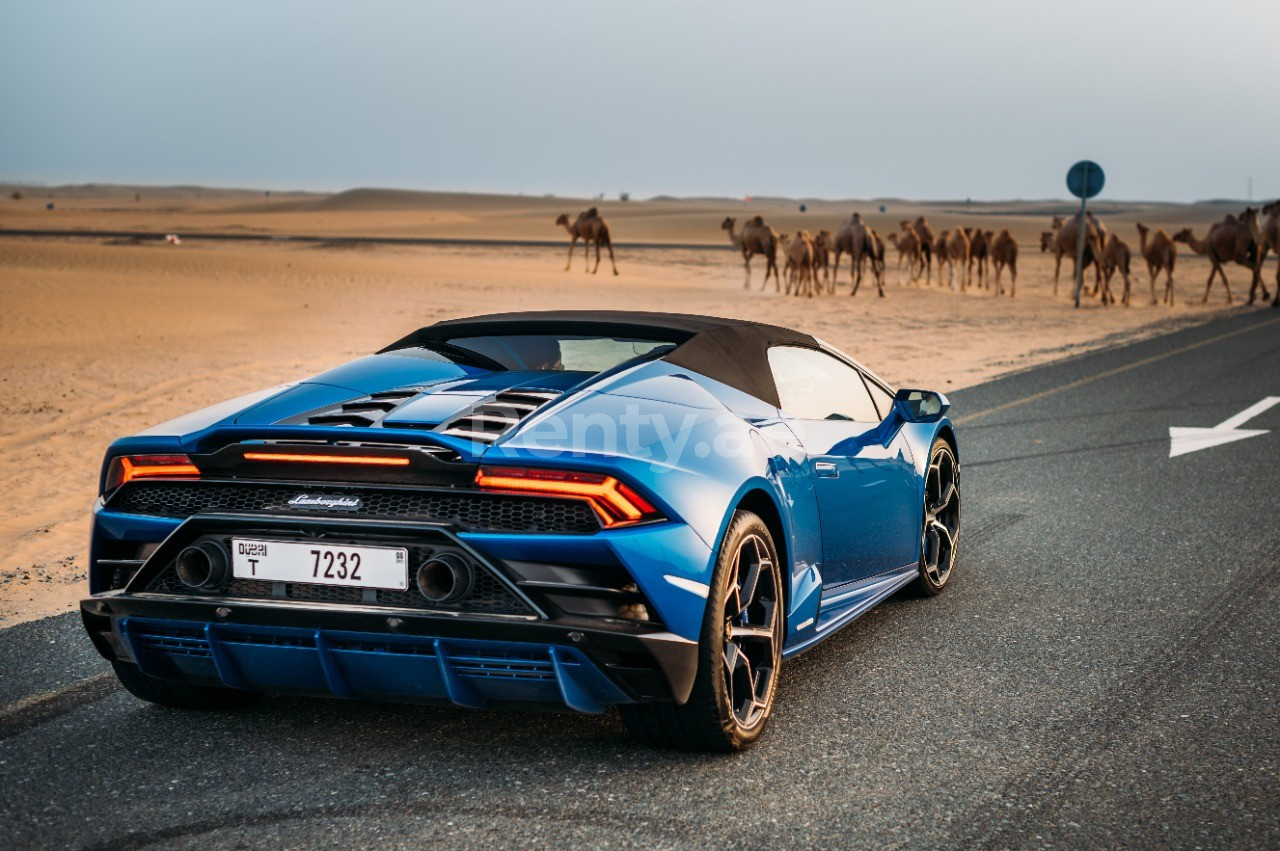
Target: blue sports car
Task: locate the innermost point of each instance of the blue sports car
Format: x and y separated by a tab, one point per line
572	509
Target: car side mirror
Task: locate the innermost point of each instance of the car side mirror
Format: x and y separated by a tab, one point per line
920	406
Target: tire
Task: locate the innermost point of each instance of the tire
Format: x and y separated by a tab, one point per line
739	653
179	695
940	527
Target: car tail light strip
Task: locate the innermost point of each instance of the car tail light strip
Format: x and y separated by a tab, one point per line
354	460
614	503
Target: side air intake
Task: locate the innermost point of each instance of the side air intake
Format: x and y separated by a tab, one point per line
497	415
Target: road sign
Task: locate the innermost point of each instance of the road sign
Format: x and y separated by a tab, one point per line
1085	179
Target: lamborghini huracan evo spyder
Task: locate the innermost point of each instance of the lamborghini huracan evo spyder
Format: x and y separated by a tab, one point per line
579	509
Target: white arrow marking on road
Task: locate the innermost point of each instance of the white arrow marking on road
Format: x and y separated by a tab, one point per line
1183	440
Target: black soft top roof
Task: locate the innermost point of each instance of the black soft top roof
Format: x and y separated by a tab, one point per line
731	351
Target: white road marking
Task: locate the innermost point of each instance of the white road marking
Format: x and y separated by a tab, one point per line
1183	440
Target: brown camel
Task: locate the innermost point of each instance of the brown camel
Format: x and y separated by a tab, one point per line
979	251
1004	252
756	238
1160	252
1257	230
590	228
924	233
940	252
877	258
1228	241
908	246
822	244
1061	241
1269	236
854	239
958	253
1115	258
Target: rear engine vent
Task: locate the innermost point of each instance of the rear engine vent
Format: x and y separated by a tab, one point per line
498	414
363	412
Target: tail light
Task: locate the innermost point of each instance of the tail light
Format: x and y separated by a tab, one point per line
614	503
126	468
307	458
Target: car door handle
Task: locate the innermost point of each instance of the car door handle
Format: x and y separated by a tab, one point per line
826	469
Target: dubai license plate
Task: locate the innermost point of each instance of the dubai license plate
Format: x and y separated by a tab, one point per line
320	564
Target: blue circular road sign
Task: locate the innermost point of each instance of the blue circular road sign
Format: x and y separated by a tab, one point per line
1085	179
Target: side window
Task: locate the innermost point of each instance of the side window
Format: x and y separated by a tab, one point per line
883	399
813	385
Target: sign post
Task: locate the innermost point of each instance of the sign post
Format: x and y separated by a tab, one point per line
1085	179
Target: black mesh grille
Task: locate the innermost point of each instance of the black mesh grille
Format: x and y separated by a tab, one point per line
488	596
469	510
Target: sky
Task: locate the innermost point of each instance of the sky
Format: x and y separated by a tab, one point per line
988	99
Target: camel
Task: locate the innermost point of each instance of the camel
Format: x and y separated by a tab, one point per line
1269	236
877	258
908	246
925	234
590	228
1115	258
1061	241
822	244
1257	231
756	238
799	254
958	252
1161	253
854	239
1004	252
1227	241
940	252
979	250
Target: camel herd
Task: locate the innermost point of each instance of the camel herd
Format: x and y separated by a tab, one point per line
811	264
1245	239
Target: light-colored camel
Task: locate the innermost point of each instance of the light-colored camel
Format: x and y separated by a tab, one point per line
1161	253
1004	252
590	228
756	238
1262	244
854	238
1228	241
908	246
1115	258
800	273
958	254
1061	241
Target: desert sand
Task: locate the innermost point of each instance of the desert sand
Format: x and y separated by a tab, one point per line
102	337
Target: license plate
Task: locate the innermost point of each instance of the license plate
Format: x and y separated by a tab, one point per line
320	564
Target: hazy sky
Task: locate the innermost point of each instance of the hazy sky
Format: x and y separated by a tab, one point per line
980	98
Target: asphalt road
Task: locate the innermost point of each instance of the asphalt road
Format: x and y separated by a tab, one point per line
1103	671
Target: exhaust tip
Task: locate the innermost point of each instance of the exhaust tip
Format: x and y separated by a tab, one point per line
446	578
203	566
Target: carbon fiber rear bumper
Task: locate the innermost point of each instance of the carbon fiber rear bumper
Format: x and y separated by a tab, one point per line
332	650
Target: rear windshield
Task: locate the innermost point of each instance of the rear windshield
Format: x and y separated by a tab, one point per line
560	351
